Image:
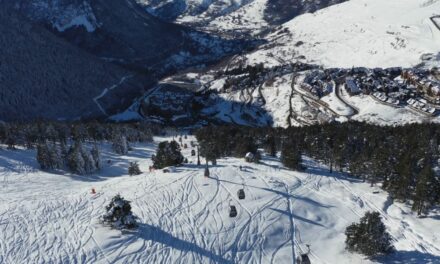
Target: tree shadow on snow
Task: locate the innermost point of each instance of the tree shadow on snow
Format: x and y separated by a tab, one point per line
284	194
114	165
18	161
408	257
321	170
435	217
152	233
297	217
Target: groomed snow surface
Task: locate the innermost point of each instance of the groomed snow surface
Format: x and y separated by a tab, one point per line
184	217
369	33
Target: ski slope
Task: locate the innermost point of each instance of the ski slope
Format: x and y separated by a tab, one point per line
184	218
366	33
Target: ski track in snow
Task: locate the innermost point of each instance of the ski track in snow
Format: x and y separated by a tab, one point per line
106	90
184	217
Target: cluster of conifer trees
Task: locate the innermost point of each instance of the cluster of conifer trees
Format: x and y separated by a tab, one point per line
72	146
369	236
77	159
403	159
167	154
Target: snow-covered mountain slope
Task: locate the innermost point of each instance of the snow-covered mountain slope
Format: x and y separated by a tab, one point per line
227	15
184	217
60	14
116	30
122	32
370	33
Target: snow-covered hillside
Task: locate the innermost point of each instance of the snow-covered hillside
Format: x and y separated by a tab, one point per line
184	218
370	33
60	14
233	16
278	94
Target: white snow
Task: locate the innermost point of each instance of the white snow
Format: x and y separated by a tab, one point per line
247	17
277	98
184	218
81	20
373	111
370	33
337	105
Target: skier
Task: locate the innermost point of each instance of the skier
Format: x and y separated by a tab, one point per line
241	168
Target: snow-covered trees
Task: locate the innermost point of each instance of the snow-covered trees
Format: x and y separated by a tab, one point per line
369	236
167	154
96	155
43	157
119	144
118	214
133	169
49	156
75	160
81	161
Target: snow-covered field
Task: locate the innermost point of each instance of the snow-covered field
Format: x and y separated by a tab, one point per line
370	33
184	218
373	111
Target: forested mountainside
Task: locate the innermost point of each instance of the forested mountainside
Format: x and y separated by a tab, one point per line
79	42
122	32
43	76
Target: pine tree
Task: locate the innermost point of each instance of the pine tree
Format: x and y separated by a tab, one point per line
96	155
49	157
425	191
89	162
369	236
75	161
206	174
400	182
11	142
134	169
270	145
118	214
167	154
119	144
291	156
63	150
43	156
198	156
245	145
56	160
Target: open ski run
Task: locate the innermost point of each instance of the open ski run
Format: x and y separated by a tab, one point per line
184	217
